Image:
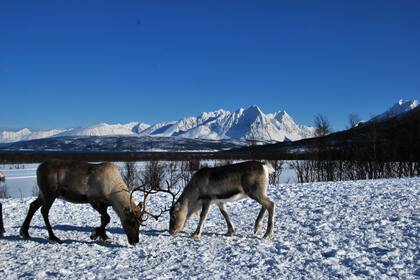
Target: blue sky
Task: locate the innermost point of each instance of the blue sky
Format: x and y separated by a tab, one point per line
73	63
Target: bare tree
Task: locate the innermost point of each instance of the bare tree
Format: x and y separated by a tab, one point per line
353	120
185	173
1	221
35	190
322	125
153	175
3	190
173	173
194	164
130	174
278	168
3	194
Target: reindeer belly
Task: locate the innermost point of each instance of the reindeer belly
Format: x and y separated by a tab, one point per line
232	198
228	196
71	195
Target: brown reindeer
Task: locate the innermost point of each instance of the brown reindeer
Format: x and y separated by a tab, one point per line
219	185
100	185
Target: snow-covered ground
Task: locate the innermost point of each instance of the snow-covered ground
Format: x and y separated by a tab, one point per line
363	229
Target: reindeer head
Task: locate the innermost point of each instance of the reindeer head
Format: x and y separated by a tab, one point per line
131	223
178	217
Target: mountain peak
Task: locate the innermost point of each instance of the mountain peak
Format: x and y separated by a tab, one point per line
244	123
282	115
401	107
253	111
254	108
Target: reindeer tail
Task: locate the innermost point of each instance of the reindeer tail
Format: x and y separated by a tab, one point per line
268	167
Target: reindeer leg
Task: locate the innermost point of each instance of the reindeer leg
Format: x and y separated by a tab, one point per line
270	207
1	221
259	220
203	215
100	231
44	211
35	205
231	228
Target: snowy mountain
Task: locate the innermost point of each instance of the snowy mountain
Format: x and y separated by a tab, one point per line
243	124
102	129
401	107
26	134
246	124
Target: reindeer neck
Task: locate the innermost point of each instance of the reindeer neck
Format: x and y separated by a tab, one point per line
121	200
189	201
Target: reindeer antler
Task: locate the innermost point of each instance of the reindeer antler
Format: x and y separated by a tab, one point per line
150	191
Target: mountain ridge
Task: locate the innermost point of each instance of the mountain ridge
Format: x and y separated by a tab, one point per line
243	124
249	124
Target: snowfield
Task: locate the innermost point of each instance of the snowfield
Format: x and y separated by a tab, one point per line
353	230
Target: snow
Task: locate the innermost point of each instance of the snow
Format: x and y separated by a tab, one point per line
243	124
249	123
350	230
102	129
12	136
401	107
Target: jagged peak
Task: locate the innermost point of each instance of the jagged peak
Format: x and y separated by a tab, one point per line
401	107
406	103
19	131
217	124
254	108
282	115
212	114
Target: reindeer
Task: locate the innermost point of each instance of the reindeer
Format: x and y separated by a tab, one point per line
223	184
100	185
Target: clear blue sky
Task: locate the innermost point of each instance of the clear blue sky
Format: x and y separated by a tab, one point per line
71	63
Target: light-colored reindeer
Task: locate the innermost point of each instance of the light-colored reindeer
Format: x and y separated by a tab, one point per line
222	184
100	185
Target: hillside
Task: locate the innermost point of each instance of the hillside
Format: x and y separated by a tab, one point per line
390	139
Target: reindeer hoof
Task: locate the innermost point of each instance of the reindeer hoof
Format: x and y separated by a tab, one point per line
105	238
268	236
195	236
230	233
54	240
24	234
94	235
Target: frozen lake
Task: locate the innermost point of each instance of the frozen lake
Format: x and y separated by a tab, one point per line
21	179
